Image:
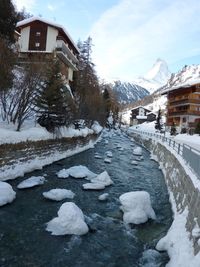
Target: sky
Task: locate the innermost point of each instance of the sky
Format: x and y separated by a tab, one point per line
128	35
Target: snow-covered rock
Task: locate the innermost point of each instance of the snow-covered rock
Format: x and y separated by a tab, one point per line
76	172
134	162
96	127
99	182
103	197
136	207
137	151
31	182
93	186
7	194
97	156
103	178
70	221
109	154
58	194
107	160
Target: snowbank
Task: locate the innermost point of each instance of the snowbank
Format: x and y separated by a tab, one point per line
7	194
10	135
58	194
78	172
177	244
31	182
70	221
136	207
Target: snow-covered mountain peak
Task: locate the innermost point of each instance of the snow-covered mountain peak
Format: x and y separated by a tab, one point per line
156	77
189	75
159	72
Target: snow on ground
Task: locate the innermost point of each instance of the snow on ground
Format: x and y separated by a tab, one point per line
136	207
177	242
19	169
103	197
78	172
7	194
58	194
191	140
31	182
9	135
70	221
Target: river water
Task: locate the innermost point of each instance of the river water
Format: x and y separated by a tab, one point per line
24	241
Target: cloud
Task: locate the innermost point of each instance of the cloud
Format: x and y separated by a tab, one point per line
132	34
27	4
51	7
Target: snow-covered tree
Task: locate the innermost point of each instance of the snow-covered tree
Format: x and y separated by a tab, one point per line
86	87
54	102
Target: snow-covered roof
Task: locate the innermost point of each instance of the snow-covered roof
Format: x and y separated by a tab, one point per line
56	25
140	107
188	76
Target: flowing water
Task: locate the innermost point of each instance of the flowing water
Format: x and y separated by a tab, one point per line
24	241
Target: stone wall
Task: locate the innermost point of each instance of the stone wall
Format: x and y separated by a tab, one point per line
179	183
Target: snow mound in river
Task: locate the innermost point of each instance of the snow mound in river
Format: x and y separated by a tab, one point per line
7	194
31	182
70	221
136	207
58	194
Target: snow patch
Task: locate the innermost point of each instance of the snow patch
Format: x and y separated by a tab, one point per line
31	182
58	194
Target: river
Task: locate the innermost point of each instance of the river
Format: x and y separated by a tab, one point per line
24	241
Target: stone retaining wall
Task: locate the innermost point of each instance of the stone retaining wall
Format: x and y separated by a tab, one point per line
179	183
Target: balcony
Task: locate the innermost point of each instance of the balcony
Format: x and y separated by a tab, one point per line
66	55
183	112
184	101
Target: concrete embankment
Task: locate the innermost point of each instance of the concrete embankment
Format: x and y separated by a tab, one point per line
20	158
185	192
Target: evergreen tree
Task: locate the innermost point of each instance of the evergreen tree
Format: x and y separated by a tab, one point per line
197	128
173	129
158	123
8	20
54	102
86	87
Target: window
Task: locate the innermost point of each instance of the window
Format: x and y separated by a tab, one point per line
37	44
38	33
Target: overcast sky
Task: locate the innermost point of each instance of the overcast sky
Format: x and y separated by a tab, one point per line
128	35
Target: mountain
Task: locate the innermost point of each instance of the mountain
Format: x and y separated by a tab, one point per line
156	77
128	92
189	75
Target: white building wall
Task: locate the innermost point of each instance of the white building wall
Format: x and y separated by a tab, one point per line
52	34
70	74
24	39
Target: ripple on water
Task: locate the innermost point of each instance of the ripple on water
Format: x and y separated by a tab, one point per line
24	241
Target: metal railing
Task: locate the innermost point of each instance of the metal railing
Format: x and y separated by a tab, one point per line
190	155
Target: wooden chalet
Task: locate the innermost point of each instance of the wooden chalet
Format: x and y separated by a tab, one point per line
183	107
140	115
45	40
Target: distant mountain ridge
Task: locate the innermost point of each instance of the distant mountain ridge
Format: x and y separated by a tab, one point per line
128	92
156	77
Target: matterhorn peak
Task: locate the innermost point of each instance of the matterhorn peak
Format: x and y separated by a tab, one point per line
156	77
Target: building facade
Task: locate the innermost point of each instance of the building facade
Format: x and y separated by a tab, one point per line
45	41
140	115
183	109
